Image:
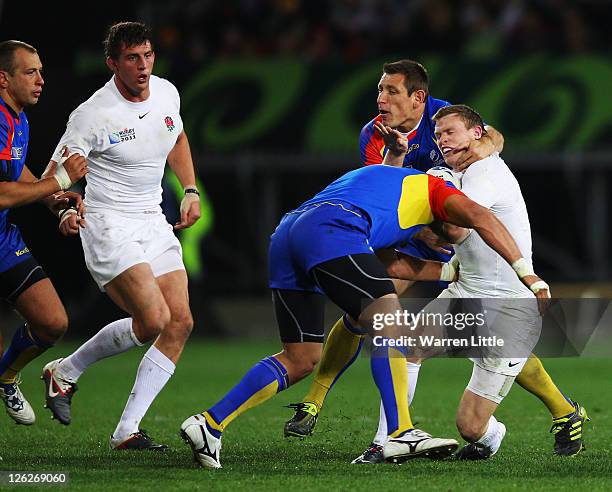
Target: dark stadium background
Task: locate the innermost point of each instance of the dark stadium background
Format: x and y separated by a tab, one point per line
275	93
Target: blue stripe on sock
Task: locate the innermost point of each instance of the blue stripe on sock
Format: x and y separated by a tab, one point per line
22	340
348	364
214	432
569	400
281	372
350	327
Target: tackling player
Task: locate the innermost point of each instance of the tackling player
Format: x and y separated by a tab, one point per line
367	209
23	282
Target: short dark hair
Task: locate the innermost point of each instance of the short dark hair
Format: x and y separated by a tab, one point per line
7	53
415	74
125	34
470	117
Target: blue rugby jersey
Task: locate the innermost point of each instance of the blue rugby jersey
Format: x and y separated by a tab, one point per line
14	135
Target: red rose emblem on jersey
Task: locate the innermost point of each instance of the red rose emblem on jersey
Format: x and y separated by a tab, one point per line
169	123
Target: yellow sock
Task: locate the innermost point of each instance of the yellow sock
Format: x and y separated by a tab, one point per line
536	380
399	376
340	350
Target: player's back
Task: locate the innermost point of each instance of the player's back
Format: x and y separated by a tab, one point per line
483	273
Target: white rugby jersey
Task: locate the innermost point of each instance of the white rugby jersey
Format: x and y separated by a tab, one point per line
482	272
126	145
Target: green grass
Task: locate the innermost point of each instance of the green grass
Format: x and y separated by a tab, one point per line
255	455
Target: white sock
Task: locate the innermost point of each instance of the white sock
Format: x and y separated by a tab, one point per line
413	376
153	373
113	339
492	438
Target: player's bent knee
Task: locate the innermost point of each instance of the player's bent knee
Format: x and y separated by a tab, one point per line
54	327
470	428
154	323
181	326
301	363
301	370
186	322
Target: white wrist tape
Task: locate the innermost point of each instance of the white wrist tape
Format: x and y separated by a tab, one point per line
538	286
522	268
449	270
61	175
64	214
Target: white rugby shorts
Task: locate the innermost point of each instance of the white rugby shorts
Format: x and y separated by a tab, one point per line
114	241
517	322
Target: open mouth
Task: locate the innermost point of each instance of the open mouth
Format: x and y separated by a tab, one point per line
143	78
446	150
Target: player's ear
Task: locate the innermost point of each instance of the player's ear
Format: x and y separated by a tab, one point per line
110	63
3	79
419	96
477	132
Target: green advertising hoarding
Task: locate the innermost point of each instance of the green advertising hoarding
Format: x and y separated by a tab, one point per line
540	103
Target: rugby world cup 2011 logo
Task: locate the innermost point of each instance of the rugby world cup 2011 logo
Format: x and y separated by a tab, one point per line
169	123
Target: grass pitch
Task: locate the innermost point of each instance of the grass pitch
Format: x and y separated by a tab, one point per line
256	456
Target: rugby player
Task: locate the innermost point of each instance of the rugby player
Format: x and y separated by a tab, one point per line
23	282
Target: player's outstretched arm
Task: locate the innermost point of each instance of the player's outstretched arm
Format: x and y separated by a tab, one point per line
28	189
408	267
181	163
463	212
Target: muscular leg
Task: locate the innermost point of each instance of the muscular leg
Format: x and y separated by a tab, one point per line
266	378
137	292
475	421
341	349
126	333
299	316
158	364
473	416
172	339
46	322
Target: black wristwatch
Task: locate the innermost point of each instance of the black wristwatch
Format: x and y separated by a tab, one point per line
192	190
